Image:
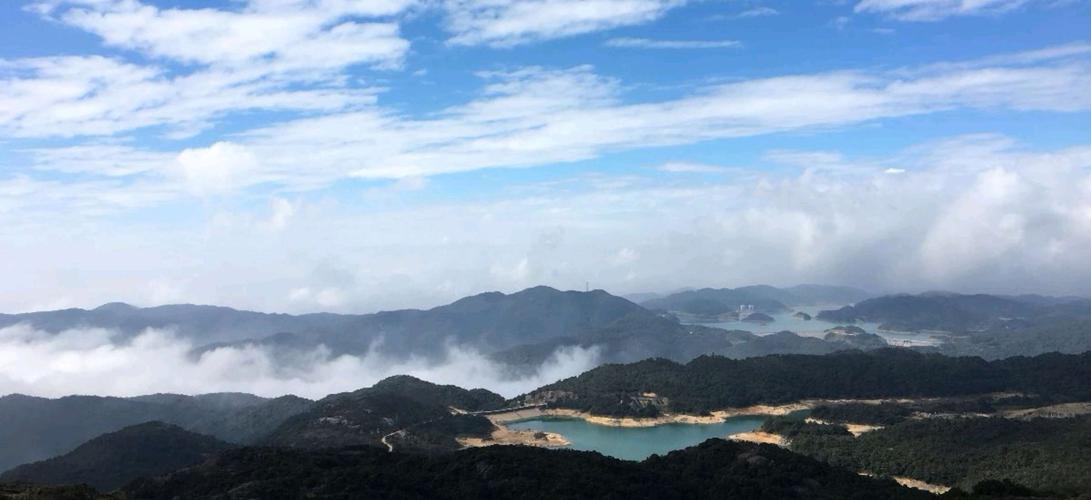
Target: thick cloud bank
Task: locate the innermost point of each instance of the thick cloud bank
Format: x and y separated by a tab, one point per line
92	361
977	213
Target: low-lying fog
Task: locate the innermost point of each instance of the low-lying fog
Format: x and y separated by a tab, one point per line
96	361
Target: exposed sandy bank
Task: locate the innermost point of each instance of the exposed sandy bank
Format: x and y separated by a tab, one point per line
714	417
1064	410
506	436
909	482
760	437
855	429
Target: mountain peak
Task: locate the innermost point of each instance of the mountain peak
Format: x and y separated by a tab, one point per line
116	307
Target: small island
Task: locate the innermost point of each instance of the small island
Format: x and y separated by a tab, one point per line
758	318
855	336
802	315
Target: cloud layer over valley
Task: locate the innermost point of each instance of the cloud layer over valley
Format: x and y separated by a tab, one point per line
96	361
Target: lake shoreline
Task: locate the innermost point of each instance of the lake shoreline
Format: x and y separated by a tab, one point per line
504	435
714	417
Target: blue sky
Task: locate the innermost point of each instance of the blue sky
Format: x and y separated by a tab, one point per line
300	155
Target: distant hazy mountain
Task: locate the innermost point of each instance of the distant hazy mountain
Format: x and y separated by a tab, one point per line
109	461
764	298
490	322
713	469
34	429
521	329
204	323
364	416
956	312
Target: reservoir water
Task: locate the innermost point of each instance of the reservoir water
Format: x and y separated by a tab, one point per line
637	443
816	328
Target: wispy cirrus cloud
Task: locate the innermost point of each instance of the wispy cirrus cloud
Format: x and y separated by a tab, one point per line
205	64
934	10
72	96
683	167
512	22
648	43
288	35
537	116
762	11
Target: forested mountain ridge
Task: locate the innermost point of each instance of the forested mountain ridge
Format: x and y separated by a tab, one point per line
1044	454
109	461
365	416
714	469
713	382
34	428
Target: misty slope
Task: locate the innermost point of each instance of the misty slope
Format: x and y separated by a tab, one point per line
1043	335
764	298
109	461
364	416
205	323
713	469
34	429
489	322
521	329
712	382
494	321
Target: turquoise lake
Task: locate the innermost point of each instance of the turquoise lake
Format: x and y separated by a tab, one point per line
637	443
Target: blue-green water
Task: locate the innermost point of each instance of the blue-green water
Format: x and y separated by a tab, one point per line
637	443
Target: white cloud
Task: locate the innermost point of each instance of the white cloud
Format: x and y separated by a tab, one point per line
102	159
218	168
933	10
527	117
94	361
282	212
536	116
268	55
541	117
974	213
646	43
762	11
512	22
294	34
681	167
626	256
93	95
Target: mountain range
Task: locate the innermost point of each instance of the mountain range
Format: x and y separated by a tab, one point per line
519	329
